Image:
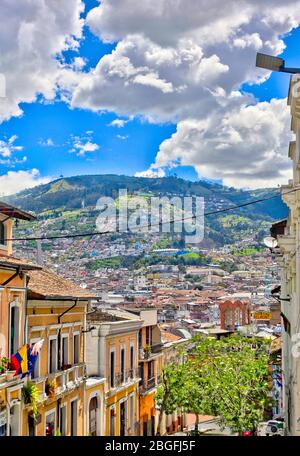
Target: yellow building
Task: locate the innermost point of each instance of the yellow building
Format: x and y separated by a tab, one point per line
13	300
112	353
153	355
70	403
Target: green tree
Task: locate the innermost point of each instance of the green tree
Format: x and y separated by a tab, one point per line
169	393
235	370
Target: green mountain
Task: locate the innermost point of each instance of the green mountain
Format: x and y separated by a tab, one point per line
67	194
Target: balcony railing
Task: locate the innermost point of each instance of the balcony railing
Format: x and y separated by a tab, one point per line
148	384
149	351
63	380
123	378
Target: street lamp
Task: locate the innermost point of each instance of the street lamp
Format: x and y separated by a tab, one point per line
274	64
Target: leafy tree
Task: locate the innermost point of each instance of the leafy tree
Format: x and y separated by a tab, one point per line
235	370
227	378
169	392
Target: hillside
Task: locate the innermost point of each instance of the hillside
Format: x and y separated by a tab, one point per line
67	194
67	207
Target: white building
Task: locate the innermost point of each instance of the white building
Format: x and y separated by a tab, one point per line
289	244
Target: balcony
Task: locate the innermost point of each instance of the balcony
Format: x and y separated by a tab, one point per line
60	382
147	385
9	379
122	379
150	352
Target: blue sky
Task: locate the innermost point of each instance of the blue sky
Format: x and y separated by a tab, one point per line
52	135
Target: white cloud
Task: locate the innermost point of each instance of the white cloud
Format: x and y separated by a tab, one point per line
245	148
185	61
31	36
81	147
119	123
177	61
122	137
8	147
47	142
15	181
151	173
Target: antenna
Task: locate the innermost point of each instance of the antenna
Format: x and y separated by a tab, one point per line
270	242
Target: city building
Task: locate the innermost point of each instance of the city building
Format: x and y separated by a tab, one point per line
13	302
112	354
289	244
70	403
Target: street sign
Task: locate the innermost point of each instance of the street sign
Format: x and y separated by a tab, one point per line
262	315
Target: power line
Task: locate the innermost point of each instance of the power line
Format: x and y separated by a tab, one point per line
194	217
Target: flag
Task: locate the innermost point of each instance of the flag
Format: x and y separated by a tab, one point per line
19	361
33	353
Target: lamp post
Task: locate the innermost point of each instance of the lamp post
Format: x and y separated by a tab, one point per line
269	62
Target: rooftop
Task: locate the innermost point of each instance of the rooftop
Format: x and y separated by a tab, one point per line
13	212
48	285
13	262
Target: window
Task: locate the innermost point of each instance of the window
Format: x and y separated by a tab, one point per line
31	426
148	335
122	362
112	369
2	234
50	423
76	348
63	419
131	361
112	421
74	417
93	416
131	405
14	329
140	338
3	423
123	418
52	353
150	370
15	416
65	350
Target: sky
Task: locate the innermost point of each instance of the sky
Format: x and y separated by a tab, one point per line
150	88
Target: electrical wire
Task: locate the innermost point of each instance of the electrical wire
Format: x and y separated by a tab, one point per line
194	217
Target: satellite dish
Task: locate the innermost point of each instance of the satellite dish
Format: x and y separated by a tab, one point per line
270	242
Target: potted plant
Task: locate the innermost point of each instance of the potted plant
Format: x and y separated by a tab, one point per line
31	396
50	387
3	369
147	351
5	373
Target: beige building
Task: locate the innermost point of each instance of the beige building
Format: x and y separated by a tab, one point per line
112	354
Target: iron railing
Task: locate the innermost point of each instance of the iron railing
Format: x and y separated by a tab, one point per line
122	378
147	384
